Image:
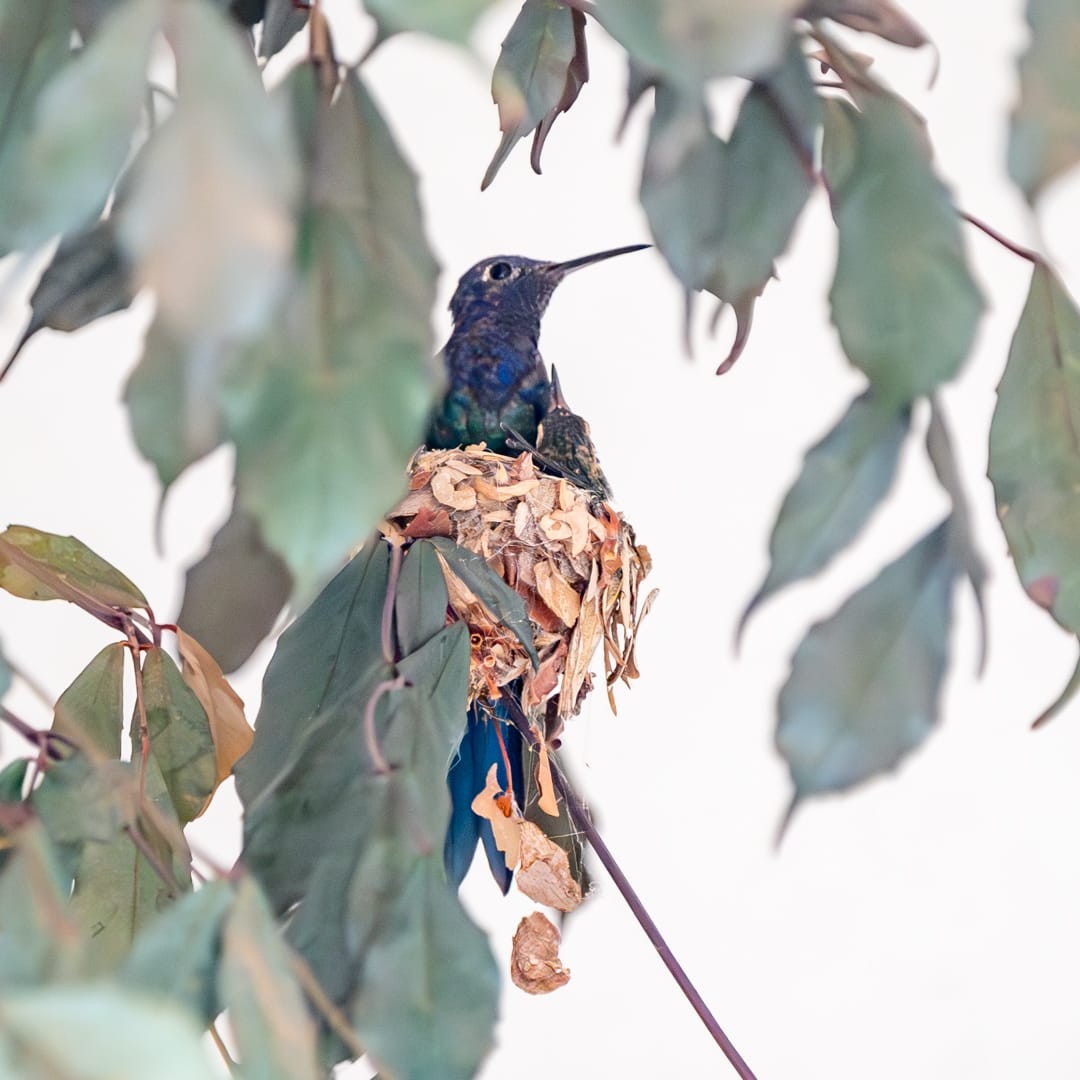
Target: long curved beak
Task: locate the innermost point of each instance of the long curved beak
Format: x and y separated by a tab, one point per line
564	268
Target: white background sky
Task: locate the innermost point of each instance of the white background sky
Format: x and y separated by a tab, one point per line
925	925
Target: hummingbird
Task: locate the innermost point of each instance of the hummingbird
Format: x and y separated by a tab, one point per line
498	392
492	358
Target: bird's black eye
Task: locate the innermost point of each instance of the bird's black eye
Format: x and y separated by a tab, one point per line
500	270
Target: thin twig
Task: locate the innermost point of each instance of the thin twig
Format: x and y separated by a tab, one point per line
222	1049
580	818
41	739
140	704
151	856
31	683
338	1021
382	766
1004	241
387	627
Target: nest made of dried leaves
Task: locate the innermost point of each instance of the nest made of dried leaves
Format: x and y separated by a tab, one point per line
572	559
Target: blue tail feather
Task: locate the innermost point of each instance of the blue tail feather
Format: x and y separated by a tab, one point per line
478	751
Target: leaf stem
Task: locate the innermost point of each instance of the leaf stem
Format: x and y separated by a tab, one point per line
163	872
1004	241
338	1021
387	627
581	820
382	766
222	1049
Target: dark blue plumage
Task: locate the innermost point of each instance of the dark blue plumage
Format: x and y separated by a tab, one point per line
497	383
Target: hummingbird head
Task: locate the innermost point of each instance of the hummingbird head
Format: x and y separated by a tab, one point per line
516	287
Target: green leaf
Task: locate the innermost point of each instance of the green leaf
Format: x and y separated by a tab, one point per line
86	279
865	684
430	986
180	739
541	69
38	565
1044	136
327	409
235	592
767	181
1034	460
281	22
12	779
5	675
79	800
436	17
323	670
177	955
82	129
502	601
90	710
843	479
108	1034
35	43
688	42
420	604
116	895
209	220
269	1017
879	17
903	299
39	941
172	401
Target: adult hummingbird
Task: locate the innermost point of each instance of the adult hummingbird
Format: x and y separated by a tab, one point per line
496	378
499	392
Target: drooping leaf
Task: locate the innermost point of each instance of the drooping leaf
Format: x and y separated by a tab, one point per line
235	592
281	21
327	409
116	895
879	17
39	940
962	541
843	479
209	223
1044	136
224	708
12	778
35	43
90	710
1034	457
902	299
324	669
691	41
108	1034
274	1031
427	1007
177	956
500	599
180	739
420	604
172	401
87	279
83	125
80	800
681	177
450	21
541	69
38	565
865	684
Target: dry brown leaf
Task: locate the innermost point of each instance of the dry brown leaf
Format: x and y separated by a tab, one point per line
229	729
507	830
442	487
557	592
544	873
499	493
535	966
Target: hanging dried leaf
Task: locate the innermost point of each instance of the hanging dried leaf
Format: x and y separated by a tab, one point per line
544	874
492	805
535	966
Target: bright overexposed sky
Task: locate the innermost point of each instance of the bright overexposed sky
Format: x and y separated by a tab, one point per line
926	925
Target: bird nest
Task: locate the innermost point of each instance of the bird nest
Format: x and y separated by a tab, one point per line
572	559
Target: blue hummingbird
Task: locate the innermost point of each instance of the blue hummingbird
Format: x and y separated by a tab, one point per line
498	392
